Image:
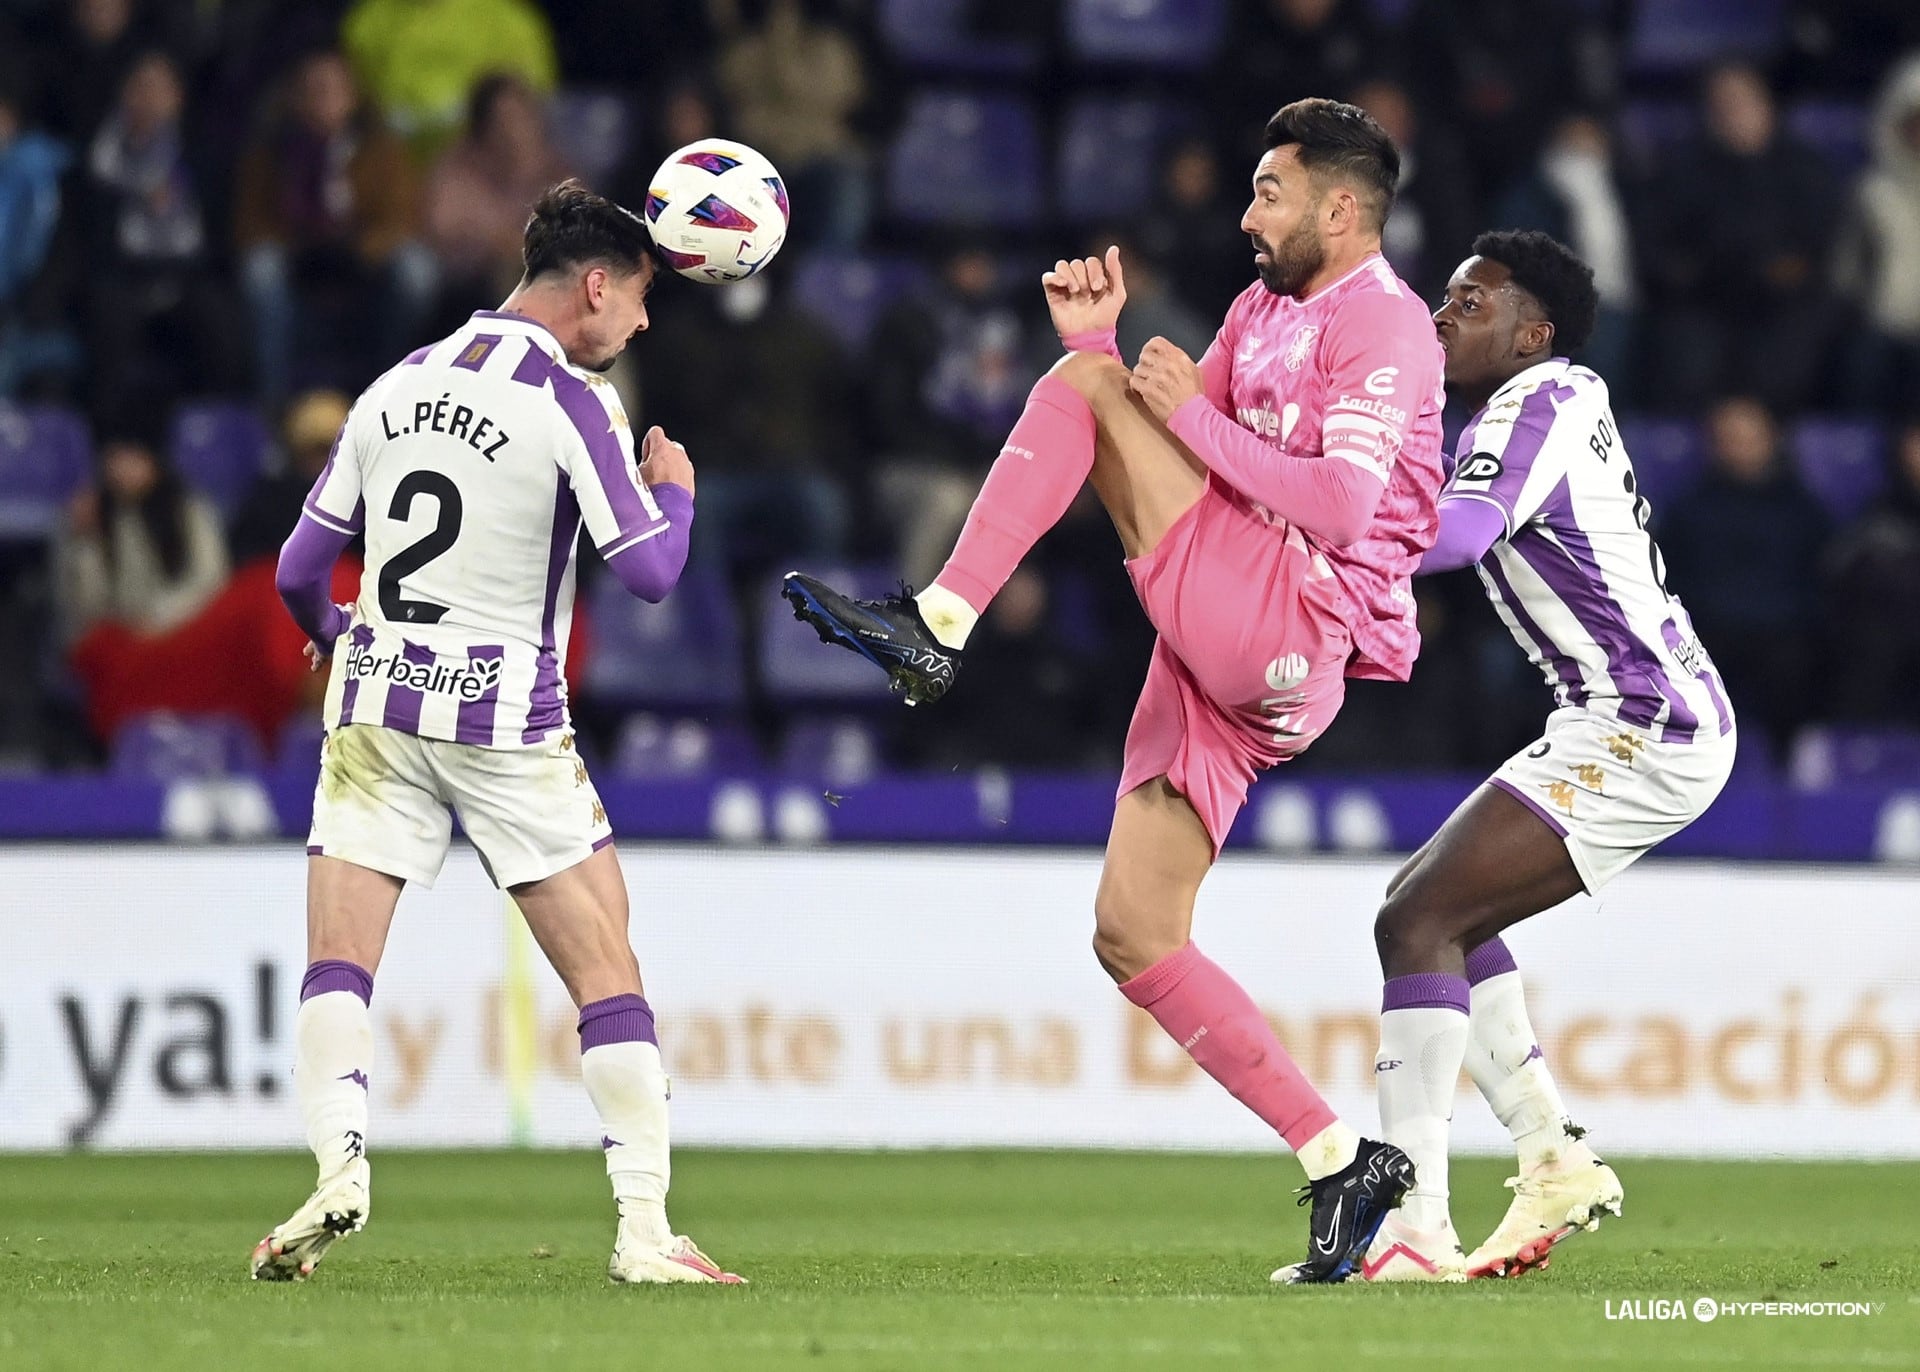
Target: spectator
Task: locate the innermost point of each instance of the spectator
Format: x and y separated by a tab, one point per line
481	190
1506	71
1743	551
1283	50
273	504
1740	229
949	371
87	63
30	166
420	59
794	78
157	319
138	549
759	393
1434	214
1875	605
1192	229
1878	264
328	198
1574	194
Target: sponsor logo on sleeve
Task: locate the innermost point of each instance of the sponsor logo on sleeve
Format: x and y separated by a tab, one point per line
1479	467
1380	380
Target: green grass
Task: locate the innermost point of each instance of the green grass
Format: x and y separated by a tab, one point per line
918	1262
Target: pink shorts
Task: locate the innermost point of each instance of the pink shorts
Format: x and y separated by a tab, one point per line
1251	662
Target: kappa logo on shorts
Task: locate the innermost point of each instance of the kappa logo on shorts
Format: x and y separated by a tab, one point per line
1625	746
1590	775
1561	793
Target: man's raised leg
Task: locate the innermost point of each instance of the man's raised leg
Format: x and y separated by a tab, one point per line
349	911
579	918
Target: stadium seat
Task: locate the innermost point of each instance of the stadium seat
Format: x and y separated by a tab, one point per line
168	747
930	35
651	746
219	449
1674	36
592	129
840	752
966	160
1840	130
1841	462
848	294
1110	151
797	668
684	653
1667	454
45	456
1182	35
1825	757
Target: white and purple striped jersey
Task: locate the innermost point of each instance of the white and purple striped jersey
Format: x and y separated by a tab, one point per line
1577	578
470	468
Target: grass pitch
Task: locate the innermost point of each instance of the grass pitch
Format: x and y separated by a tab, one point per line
920	1262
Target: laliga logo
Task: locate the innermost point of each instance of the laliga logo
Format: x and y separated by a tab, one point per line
1380	380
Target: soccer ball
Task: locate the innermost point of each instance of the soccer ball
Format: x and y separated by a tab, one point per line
718	211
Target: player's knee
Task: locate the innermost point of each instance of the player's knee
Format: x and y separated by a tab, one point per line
1404	920
1125	945
1094	375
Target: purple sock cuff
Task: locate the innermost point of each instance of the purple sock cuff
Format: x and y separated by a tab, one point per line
1490	959
617	1019
1426	991
334	974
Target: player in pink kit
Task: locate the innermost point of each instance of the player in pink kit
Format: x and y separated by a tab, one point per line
1272	501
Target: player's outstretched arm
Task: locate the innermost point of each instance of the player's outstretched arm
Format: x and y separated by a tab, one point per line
649	560
1084	296
1469	527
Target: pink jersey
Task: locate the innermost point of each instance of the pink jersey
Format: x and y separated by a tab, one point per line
1351	373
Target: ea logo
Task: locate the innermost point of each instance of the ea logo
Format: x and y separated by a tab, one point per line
1380	380
1479	467
1285	673
1706	1309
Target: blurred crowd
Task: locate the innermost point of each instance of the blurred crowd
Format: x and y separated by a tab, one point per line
229	217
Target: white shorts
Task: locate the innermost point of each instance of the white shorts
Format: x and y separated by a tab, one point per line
386	800
1612	791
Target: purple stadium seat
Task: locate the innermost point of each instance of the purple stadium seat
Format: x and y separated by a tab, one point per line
1667	454
219	450
168	747
1841	462
1173	34
930	35
1840	130
966	160
650	746
1674	35
592	129
1837	756
1110	149
796	667
684	653
45	456
840	752
849	294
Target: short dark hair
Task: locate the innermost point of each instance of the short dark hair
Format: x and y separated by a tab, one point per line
1547	269
1343	140
571	227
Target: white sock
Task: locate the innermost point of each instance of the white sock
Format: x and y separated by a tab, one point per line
1504	1060
629	1088
333	1053
949	617
1423	1036
1331	1150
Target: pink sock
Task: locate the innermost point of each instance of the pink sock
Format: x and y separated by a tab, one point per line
1207	1013
1042	467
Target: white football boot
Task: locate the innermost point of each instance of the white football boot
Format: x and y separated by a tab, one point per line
338	1207
1550	1204
643	1260
1399	1252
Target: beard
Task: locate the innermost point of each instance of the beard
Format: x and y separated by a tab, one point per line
1292	262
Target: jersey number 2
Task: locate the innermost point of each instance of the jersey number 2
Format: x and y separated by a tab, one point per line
410	559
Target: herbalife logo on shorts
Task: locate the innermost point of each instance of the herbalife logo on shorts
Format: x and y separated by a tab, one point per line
468	680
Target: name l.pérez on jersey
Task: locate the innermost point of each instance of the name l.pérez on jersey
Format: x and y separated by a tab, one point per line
456	421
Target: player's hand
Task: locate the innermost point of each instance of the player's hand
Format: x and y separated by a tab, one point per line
1166	378
664	462
1084	294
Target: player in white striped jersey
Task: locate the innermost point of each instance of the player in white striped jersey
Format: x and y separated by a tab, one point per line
1542	497
470	467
